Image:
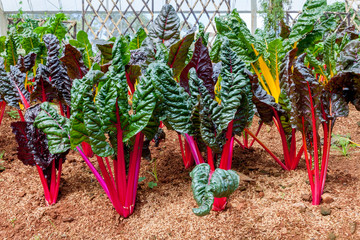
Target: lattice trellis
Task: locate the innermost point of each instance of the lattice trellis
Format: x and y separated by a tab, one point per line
353	16
108	18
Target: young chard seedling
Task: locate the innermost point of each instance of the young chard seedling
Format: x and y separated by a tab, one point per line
153	172
342	143
13	114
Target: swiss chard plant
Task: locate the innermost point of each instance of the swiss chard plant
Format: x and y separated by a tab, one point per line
213	123
102	117
35	149
51	83
163	44
312	106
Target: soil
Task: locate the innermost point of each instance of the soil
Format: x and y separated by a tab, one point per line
274	206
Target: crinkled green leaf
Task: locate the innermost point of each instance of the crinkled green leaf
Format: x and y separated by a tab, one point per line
56	128
120	52
205	113
144	102
93	125
80	88
172	96
234	83
200	178
240	37
311	12
222	184
330	54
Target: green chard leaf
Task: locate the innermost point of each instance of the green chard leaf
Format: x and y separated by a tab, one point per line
139	37
56	128
83	44
79	90
12	44
172	97
235	93
222	184
53	25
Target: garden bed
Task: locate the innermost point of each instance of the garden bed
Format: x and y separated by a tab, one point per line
271	207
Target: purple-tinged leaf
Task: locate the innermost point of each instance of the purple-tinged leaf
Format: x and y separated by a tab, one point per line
138	57
8	91
148	50
304	92
58	74
133	72
26	63
24	152
33	144
178	53
337	103
105	68
43	88
105	48
216	71
74	63
202	63
17	79
166	27
347	80
265	103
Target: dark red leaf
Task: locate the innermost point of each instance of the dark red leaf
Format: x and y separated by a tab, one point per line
178	53
202	63
33	144
17	79
43	88
26	63
74	63
58	73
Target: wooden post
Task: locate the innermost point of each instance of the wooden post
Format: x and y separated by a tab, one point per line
253	16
